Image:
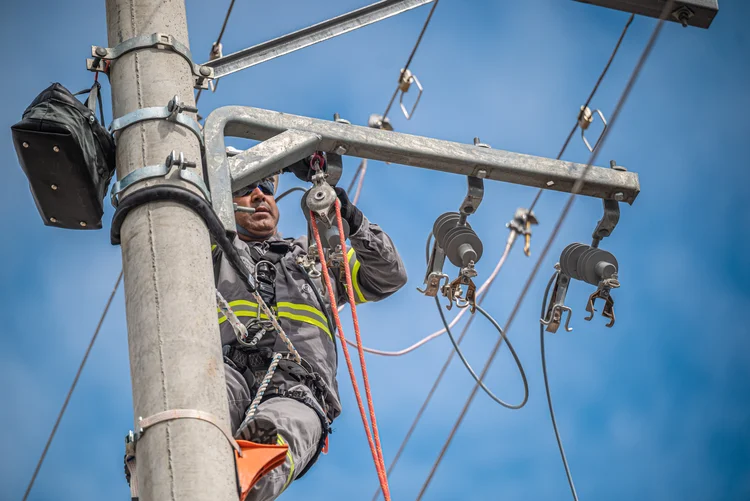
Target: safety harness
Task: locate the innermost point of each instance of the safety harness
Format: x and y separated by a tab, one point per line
257	360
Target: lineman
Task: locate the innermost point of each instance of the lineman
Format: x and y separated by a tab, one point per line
295	411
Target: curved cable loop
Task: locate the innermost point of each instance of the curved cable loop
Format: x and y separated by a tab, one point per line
481	290
474	374
549	395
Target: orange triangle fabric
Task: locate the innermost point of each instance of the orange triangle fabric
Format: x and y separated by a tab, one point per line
256	461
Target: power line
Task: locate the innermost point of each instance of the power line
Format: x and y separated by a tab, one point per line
576	189
216	44
72	387
411	56
549	394
588	101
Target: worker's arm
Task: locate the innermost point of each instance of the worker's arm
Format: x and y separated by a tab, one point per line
376	268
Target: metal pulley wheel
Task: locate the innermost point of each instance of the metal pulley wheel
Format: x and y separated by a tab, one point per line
320	198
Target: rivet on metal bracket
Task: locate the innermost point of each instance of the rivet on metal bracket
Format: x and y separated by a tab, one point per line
172	112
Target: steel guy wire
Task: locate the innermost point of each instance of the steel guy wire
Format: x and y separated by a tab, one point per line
411	56
218	41
73	386
566	209
588	101
549	395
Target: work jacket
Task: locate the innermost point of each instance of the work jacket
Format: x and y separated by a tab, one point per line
377	272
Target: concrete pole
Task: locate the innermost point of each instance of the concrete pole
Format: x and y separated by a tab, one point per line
173	335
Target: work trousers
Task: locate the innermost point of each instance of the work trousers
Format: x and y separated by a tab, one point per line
278	420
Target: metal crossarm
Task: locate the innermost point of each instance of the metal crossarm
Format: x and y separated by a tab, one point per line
311	35
294	137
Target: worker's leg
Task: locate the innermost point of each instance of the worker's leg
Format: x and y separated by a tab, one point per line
287	421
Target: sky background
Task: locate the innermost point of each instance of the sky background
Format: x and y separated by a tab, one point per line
657	407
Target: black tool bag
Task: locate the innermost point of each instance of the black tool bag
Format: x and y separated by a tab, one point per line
67	155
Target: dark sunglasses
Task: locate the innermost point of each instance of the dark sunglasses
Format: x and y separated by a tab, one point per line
266	186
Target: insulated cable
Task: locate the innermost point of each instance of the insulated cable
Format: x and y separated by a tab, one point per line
73	386
218	41
447	363
471	370
411	56
549	395
588	101
575	190
287	192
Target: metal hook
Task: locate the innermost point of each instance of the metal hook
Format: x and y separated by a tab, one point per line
586	118
555	318
404	83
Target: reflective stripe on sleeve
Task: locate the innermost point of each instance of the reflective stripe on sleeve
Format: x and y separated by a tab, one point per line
280	441
359	297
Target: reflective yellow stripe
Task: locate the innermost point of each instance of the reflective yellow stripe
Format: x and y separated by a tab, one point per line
280	441
243	313
355	273
303	307
307	320
242	302
213	247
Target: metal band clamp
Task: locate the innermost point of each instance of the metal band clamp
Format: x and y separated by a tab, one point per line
172	112
153	171
157	41
169	415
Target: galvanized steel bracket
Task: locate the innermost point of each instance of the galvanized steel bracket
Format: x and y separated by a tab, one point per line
162	41
172	112
288	138
153	171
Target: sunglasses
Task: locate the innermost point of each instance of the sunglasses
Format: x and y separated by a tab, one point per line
266	186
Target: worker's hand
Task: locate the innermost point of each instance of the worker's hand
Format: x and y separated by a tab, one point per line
349	211
303	170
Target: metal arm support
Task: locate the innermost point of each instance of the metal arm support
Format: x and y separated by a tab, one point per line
311	35
395	147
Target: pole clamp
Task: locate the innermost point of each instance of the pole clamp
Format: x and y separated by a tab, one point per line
155	41
172	112
405	79
162	170
585	119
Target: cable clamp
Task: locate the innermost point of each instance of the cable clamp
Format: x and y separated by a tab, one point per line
405	79
585	119
101	55
154	171
172	112
521	224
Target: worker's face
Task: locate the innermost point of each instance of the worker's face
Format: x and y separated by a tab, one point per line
262	224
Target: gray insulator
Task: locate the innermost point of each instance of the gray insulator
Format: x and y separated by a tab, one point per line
460	243
588	264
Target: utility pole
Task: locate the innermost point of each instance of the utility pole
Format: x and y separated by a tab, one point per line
173	335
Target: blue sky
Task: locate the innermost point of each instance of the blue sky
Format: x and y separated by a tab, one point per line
655	408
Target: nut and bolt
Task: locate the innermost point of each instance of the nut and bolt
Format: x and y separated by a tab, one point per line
52	220
205	71
613	165
550	183
101	51
83	224
56	149
482	174
480	144
340	150
53	186
619	196
25	144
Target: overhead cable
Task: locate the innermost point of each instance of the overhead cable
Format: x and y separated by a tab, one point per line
566	209
73	386
217	43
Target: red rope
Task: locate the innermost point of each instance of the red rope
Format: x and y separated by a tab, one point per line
375	448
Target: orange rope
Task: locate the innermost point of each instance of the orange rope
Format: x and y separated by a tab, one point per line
375	448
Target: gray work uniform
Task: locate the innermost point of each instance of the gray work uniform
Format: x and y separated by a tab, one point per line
292	415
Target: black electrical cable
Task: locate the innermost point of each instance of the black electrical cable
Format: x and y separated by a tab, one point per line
411	56
199	205
73	386
588	101
549	395
290	190
474	374
555	230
